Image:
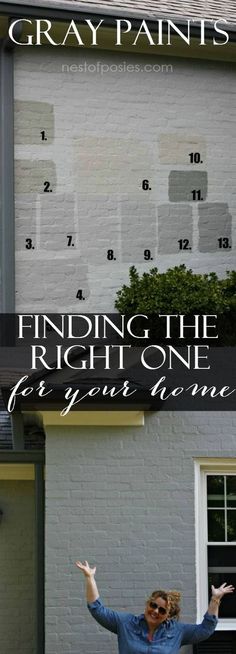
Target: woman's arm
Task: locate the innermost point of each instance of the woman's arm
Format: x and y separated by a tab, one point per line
106	617
92	593
216	597
194	633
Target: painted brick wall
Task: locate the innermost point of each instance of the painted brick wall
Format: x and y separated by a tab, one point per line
123	499
17	596
105	134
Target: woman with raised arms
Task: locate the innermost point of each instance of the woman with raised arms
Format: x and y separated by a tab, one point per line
157	630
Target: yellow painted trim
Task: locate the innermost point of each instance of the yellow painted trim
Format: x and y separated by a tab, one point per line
3	26
93	418
20	471
217	464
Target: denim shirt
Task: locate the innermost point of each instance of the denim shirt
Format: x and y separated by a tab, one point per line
132	631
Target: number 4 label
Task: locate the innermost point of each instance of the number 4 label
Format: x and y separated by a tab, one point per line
79	294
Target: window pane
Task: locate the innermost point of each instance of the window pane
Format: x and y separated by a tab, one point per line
222	556
231	525
216	525
231	490
221	569
215	490
227	607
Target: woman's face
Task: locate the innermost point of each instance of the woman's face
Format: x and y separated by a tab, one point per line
155	612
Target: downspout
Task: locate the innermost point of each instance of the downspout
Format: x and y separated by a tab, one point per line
7	177
7	205
39	558
17	427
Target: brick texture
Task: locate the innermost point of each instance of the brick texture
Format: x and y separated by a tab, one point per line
123	499
111	131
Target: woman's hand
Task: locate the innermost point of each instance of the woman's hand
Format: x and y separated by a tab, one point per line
86	569
91	587
218	593
216	596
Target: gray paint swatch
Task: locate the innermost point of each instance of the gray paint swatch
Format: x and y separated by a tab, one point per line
32	118
175	223
98	228
51	283
138	230
215	222
57	220
25	220
31	176
182	183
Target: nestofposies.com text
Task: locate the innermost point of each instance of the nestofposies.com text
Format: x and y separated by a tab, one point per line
124	67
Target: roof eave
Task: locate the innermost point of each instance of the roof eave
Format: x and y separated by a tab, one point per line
37	9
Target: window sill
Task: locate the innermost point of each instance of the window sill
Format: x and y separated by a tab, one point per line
226	625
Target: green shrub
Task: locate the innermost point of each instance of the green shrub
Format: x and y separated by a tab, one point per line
180	291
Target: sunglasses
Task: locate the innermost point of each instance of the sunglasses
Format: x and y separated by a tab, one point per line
161	609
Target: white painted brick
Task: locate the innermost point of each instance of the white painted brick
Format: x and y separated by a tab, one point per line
110	132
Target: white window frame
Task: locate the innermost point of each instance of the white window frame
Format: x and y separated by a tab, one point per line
203	466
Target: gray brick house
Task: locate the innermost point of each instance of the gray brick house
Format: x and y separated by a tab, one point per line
148	496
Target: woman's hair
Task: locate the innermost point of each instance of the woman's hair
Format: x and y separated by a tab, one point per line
172	598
